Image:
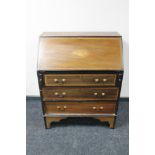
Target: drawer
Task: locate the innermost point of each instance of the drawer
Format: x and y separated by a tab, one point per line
79	93
79	79
79	107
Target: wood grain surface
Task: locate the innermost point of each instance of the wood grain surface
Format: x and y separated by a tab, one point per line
80	107
79	93
104	53
110	120
80	79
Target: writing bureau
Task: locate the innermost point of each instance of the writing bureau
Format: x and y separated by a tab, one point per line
80	75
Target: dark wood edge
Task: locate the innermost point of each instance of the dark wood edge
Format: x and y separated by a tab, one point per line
97	34
41	82
31	97
81	36
78	115
79	71
119	84
81	100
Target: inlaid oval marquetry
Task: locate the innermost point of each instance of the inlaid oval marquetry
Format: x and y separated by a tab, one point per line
81	53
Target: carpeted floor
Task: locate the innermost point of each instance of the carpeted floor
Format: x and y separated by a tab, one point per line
76	136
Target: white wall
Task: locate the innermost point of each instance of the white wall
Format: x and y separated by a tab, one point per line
74	15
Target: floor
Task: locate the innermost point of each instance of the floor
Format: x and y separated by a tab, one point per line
76	136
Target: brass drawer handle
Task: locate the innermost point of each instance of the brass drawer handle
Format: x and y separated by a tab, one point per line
62	108
101	108
63	93
58	107
56	93
65	107
63	80
60	82
94	108
56	80
104	80
103	94
96	80
95	94
60	95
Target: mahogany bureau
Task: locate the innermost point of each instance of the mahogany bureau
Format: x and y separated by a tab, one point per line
80	75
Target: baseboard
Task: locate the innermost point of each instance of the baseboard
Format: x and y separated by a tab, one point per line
32	97
122	99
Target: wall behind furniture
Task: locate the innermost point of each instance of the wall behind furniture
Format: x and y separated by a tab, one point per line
74	15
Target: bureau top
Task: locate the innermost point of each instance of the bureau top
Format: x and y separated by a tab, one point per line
79	34
80	51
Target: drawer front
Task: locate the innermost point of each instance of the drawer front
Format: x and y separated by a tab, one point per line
80	93
79	79
79	107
